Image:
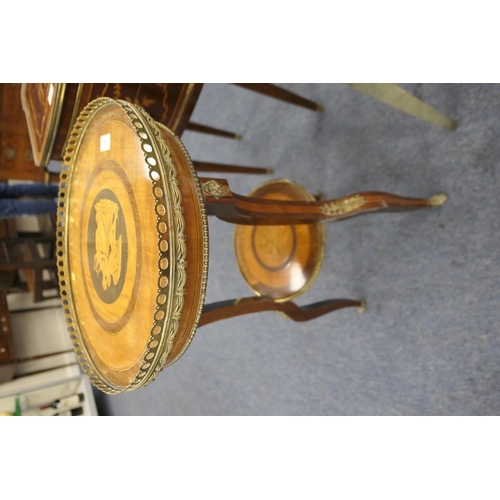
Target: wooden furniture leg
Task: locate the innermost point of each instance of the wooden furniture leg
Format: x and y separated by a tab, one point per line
205	129
399	98
232	308
283	95
232	207
23	253
203	166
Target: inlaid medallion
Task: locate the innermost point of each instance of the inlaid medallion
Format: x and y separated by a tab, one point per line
107	246
274	246
281	261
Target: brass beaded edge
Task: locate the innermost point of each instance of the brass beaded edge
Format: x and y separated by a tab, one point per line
65	289
148	369
168	312
204	219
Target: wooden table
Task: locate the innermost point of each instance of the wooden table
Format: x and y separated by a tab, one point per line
129	202
52	108
133	247
132	240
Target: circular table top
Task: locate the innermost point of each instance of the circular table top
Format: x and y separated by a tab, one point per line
280	262
131	222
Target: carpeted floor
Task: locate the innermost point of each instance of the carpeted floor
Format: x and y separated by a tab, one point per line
429	341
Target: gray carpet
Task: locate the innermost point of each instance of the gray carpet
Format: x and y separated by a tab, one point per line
428	343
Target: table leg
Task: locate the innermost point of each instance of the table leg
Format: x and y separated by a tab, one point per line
238	209
205	129
276	92
239	307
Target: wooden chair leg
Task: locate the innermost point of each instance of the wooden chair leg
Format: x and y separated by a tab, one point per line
283	95
203	166
238	209
399	98
204	129
24	253
232	308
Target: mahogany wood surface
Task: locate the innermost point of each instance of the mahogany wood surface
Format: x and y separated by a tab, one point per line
249	305
247	210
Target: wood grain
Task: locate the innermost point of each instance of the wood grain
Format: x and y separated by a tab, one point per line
134	222
250	210
250	305
280	262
